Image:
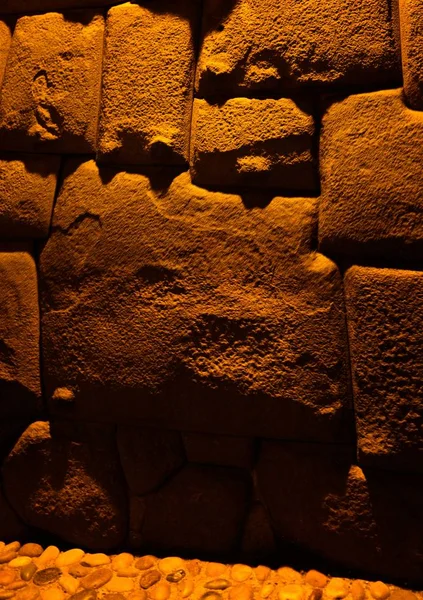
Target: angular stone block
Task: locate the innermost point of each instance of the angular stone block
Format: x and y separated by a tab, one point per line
319	500
19	335
385	321
148	456
411	26
201	509
27	188
188	310
5	41
265	143
372	167
147	83
220	450
251	46
51	91
70	489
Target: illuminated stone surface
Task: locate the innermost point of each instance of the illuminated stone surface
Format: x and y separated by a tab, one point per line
51	89
385	318
253	46
5	41
411	20
19	335
237	329
31	6
265	143
27	187
371	162
147	84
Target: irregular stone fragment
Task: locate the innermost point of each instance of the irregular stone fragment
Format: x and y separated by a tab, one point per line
259	143
199	509
19	336
268	46
70	489
385	320
357	590
149	578
5	41
46	576
220	450
147	83
372	200
96	579
411	23
51	89
70	557
31	549
266	357
148	456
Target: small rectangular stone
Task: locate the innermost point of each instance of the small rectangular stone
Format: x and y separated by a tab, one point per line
27	188
259	143
411	26
51	91
148	83
19	334
385	322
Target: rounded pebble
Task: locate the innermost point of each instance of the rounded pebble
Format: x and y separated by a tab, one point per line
120	584
176	576
16	585
127	572
292	591
69	584
379	590
31	550
2	546
49	555
5	594
211	596
122	561
96	579
20	561
150	578
357	590
53	593
145	562
84	595
79	571
290	575
95	560
241	572
337	588
193	567
6	556
262	573
114	596
185	588
399	594
161	591
138	595
30	592
316	579
242	591
7	576
12	547
171	564
267	589
46	576
70	557
315	594
217	584
214	569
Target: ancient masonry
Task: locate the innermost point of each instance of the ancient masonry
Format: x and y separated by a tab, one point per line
211	296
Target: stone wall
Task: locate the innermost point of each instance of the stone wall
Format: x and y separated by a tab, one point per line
211	296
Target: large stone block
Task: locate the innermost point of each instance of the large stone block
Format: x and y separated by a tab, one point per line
251	46
31	6
27	188
372	168
5	41
385	321
411	25
320	501
72	489
148	83
19	335
189	310
265	143
51	90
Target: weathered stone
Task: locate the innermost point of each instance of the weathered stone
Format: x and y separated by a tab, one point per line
6	594
70	489
266	357
120	584
70	557
128	572
176	577
69	584
161	591
186	588
171	564
147	83
49	555
7	576
199	509
267	589
145	562
289	575
19	336
315	578
242	591
53	593
5	41
349	516
96	579
31	592
12	547
46	576
16	585
258	540
385	320
372	200
149	578
379	590
27	187
292	591
220	450
148	456
51	88
20	561
411	23
337	588
241	573
259	143
261	572
95	560
217	584
268	46
79	570
122	561
6	556
84	595
31	549
29	6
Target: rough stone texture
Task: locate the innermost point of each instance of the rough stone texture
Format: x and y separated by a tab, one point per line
236	329
201	509
71	489
251	46
411	24
220	450
385	321
5	41
30	6
27	187
372	167
320	501
19	335
147	83
51	91
266	143
148	456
